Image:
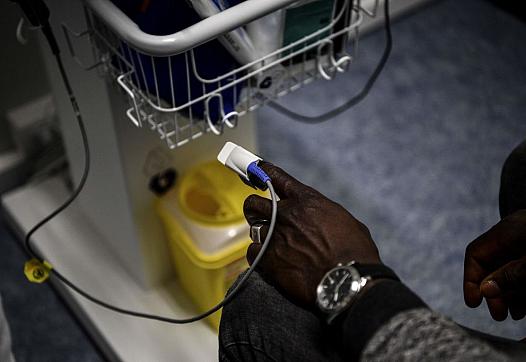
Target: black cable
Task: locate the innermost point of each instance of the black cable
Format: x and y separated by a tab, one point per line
55	273
358	97
196	318
85	173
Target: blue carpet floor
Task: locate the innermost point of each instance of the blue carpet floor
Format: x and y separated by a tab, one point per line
418	161
42	327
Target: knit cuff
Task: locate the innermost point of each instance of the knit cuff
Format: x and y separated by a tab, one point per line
372	310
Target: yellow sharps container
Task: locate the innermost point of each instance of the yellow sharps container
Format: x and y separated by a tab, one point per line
207	232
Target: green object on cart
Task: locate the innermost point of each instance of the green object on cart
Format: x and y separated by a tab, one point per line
304	20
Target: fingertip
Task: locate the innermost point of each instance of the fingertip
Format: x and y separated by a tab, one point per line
472	295
499	317
256	207
474	274
498	309
490	289
517	313
250	201
473	303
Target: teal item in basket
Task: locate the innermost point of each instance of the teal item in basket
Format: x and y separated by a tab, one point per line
304	20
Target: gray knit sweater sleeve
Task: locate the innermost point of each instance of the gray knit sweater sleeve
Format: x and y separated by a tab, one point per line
423	335
391	323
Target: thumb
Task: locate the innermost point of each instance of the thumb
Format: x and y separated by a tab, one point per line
509	278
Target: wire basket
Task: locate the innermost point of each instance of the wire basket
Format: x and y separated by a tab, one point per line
179	92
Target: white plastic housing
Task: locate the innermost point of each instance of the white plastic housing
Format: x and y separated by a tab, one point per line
237	158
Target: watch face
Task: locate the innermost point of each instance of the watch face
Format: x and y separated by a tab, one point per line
337	288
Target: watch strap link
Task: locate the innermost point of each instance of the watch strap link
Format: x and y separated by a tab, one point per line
376	271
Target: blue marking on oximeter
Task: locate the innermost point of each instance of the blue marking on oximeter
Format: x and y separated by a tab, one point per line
255	170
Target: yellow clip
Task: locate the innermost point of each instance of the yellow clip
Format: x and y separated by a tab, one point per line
36	271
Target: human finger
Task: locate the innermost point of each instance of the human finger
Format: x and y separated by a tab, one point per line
517	305
257	208
267	263
253	251
487	253
474	274
498	308
502	243
285	185
509	278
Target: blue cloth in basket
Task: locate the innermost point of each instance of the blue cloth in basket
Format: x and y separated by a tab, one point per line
163	17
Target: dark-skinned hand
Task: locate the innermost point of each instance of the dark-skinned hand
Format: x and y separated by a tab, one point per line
312	235
495	268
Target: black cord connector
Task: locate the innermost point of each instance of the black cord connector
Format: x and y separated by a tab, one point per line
37	13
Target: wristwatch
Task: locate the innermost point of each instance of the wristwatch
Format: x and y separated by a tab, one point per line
342	284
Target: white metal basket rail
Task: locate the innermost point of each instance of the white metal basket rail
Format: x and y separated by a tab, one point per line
164	76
